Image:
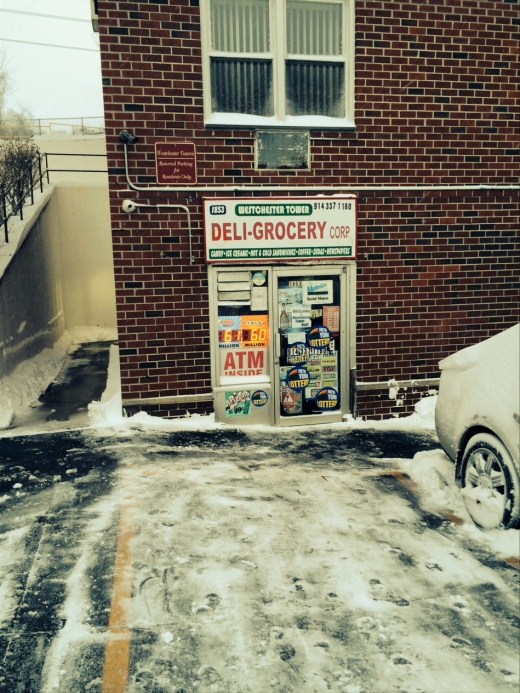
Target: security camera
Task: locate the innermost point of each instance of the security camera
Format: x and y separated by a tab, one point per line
127	137
129	206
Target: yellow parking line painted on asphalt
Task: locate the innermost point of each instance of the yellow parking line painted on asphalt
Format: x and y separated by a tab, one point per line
451	516
513	560
117	650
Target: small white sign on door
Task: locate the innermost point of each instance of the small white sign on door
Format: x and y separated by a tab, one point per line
318	291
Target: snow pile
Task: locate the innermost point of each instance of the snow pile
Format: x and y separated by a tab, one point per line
434	474
485	504
86	334
24	385
422	418
107	414
109	410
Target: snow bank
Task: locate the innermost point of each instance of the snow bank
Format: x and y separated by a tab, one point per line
109	410
24	385
422	418
107	413
434	474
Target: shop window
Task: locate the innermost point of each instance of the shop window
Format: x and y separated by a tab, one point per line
278	62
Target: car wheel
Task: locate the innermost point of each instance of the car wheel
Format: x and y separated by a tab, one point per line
490	483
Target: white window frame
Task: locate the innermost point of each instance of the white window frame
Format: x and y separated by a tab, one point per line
278	54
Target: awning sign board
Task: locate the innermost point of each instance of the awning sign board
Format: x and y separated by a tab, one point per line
280	229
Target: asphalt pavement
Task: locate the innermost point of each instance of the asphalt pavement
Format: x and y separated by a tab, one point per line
230	561
225	561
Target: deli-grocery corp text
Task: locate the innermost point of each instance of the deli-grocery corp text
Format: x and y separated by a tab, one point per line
277	231
291	229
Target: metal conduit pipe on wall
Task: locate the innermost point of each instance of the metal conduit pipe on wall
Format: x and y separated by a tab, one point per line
295	188
130	206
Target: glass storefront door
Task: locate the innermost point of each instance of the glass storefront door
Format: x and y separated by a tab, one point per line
309	358
280	350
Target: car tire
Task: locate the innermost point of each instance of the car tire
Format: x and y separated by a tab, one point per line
490	483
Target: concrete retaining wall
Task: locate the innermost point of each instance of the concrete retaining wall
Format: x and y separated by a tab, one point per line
61	275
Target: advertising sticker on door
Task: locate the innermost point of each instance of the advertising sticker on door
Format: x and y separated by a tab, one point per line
280	229
237	403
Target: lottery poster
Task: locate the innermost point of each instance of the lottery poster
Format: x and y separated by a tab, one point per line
243	331
243	342
331	318
309	370
238	402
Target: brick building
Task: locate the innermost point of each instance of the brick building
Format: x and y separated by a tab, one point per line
385	132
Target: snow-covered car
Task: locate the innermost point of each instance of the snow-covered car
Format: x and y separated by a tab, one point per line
478	425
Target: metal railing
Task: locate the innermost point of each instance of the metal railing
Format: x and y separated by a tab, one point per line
87	125
13	198
70	170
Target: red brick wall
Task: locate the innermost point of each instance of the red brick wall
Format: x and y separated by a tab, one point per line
435	104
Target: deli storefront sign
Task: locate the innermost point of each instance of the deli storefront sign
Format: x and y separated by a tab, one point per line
280	229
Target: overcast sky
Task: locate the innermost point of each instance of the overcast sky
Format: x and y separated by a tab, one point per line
51	81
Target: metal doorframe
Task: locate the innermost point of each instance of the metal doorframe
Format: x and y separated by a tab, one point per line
346	273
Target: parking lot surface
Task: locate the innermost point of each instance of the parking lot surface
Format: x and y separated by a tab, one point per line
242	562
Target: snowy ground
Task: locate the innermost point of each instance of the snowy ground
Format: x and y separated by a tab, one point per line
337	558
289	562
20	390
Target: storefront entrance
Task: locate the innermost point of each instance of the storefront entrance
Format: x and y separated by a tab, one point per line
282	343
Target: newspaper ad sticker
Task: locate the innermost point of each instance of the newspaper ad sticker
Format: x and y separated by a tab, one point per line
318	337
297	354
259	398
298	378
326	382
237	402
311	392
318	291
327	361
327	398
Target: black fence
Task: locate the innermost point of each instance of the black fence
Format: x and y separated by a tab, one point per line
14	197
